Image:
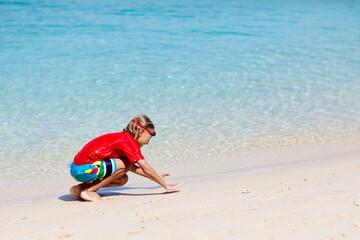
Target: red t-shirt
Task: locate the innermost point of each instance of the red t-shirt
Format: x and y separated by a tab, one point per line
111	145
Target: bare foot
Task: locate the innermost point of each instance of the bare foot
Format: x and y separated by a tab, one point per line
76	191
90	196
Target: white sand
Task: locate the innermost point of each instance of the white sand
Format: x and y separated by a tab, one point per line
319	200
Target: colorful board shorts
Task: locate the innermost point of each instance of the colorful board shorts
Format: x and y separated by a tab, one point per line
95	172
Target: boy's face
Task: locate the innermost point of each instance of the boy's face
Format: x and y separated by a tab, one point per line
144	137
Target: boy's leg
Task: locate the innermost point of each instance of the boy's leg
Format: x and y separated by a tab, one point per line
119	182
119	178
77	189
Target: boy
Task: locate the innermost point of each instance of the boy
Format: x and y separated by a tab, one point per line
105	160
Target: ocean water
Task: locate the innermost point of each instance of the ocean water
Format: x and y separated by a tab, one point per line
216	77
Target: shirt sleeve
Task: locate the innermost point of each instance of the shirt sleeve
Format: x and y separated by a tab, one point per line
132	150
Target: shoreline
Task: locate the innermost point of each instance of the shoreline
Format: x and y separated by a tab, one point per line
315	200
231	165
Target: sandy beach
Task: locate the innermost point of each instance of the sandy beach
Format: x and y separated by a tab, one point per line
255	105
316	200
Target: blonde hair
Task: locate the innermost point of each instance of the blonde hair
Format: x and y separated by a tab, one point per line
134	129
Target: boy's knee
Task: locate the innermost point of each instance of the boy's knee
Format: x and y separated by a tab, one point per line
125	178
122	180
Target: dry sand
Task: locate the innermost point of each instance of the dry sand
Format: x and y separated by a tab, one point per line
319	200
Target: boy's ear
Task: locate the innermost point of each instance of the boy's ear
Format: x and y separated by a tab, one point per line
141	131
138	135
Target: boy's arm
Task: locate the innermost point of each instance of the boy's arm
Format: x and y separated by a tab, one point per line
139	171
146	170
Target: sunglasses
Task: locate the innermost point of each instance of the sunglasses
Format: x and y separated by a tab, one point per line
152	133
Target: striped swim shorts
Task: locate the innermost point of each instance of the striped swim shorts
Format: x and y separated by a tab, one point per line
97	171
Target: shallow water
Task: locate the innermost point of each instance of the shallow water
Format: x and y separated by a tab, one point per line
216	77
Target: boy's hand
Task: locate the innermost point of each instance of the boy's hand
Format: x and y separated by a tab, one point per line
171	187
164	175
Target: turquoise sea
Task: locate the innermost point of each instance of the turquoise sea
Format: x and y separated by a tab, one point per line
215	76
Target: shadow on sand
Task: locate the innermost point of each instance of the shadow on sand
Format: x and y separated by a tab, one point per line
114	191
